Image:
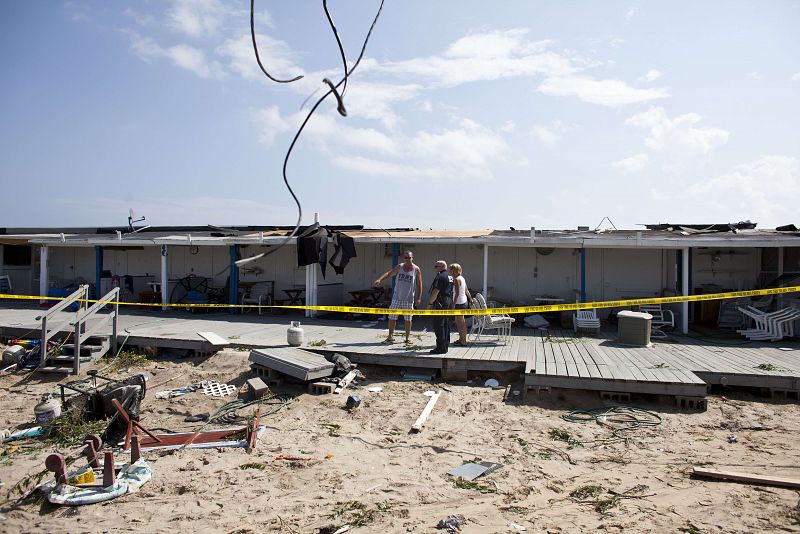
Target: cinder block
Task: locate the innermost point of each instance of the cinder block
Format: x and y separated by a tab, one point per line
691	403
257	388
616	396
321	388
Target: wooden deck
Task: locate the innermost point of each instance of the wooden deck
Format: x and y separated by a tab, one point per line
679	365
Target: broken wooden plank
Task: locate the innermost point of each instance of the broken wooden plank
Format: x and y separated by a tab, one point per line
417	426
344	382
747	477
215	339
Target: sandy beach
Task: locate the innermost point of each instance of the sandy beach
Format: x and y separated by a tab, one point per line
364	468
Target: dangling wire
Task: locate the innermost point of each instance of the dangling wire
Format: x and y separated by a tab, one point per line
341	51
255	47
332	89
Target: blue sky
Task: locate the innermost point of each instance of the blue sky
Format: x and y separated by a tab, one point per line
467	114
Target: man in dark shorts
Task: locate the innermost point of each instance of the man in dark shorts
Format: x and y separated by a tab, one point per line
441	298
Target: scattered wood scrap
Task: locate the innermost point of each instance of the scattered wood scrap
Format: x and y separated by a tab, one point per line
747	477
344	382
417	426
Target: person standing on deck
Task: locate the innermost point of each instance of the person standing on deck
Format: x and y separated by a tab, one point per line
407	292
441	298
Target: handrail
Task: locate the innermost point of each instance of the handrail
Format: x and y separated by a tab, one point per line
78	296
81	333
79	293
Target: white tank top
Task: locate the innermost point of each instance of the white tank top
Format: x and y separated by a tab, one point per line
461	298
405	285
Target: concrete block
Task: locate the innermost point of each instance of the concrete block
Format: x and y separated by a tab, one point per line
257	388
321	388
691	403
616	396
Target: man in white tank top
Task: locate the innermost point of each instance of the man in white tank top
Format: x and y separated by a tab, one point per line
407	292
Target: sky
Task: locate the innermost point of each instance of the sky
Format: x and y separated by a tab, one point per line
461	115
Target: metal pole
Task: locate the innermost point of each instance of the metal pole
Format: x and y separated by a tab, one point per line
164	277
583	274
98	271
685	290
233	290
486	271
44	254
311	282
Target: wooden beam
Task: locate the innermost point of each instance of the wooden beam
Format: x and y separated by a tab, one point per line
747	477
417	426
344	382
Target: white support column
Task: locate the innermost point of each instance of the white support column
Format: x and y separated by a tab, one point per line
44	282
311	282
486	271
685	290
164	276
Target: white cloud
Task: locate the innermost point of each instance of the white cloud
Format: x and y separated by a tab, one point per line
140	18
796	76
616	42
749	190
192	59
633	164
468	150
651	75
371	100
630	13
679	134
487	56
375	167
612	93
755	75
184	56
196	18
546	135
275	55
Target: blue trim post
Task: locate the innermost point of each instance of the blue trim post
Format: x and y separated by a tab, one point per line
98	270
233	279
583	274
395	257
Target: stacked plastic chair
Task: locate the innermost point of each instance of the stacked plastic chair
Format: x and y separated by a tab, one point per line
772	326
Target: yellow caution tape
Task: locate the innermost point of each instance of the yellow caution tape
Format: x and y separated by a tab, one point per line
483	311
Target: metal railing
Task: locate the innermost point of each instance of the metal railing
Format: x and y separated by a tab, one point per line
78	323
49	329
82	333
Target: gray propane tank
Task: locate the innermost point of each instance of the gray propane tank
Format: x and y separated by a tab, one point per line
294	335
47	410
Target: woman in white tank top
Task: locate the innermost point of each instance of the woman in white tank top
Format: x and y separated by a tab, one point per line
461	300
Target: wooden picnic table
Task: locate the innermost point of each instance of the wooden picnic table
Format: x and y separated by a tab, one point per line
366	298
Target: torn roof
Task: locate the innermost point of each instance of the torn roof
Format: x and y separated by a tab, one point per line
653	236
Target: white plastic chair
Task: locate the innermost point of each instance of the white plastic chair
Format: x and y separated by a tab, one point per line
481	323
260	293
586	320
662	318
772	326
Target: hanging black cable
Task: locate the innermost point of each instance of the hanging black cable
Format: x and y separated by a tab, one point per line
341	51
332	89
255	47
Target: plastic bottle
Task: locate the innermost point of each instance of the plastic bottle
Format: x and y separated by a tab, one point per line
294	335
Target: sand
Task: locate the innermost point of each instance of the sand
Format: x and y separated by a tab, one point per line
367	470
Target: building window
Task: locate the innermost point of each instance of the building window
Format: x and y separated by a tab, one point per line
17	255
